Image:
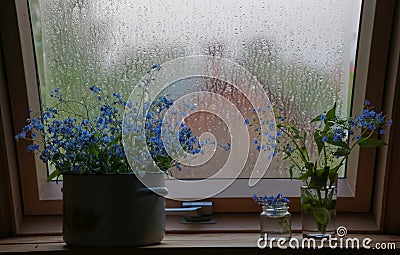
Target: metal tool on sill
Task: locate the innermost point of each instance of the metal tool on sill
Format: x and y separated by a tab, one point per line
194	212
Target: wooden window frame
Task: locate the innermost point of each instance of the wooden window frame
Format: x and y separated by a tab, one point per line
30	194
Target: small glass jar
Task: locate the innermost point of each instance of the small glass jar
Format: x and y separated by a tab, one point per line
275	222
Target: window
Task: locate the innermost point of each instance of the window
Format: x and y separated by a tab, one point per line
112	44
111	73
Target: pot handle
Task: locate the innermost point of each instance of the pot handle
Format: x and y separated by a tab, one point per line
162	191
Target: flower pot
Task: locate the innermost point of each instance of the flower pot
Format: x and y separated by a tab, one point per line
111	210
318	211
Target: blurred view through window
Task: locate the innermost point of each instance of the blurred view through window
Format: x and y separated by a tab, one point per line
301	51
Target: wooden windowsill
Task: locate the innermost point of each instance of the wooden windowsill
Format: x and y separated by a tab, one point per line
234	233
234	243
226	223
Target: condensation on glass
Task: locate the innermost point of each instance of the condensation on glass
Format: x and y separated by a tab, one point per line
301	51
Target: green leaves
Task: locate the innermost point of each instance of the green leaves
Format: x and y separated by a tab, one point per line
292	166
93	149
285	224
318	203
342	151
318	141
371	143
318	118
319	179
330	115
304	176
322	217
339	143
55	174
328	118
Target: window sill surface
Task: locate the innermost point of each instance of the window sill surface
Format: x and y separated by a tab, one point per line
226	223
173	243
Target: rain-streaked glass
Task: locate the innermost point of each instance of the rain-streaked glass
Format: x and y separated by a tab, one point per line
301	51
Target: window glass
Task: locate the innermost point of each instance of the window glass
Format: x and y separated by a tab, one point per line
301	51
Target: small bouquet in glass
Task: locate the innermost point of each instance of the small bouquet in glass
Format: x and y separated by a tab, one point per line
318	166
275	218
